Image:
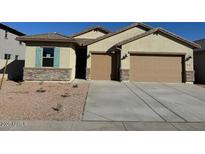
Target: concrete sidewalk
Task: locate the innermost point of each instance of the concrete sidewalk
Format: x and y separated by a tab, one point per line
98	126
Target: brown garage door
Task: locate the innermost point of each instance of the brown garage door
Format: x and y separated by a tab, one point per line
101	66
155	68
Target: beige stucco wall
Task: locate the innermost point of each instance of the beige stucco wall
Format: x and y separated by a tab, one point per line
67	58
30	55
72	61
91	35
106	44
155	43
64	57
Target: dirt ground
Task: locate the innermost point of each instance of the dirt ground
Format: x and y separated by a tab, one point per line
42	101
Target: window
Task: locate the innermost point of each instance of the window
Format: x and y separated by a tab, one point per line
6	34
16	57
7	56
20	42
48	57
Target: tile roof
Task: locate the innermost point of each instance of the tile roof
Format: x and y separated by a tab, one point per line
51	37
46	37
102	29
54	37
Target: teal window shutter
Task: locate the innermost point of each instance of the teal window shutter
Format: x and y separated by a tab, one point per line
38	60
57	57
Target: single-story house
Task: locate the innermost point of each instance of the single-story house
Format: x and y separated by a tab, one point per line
135	53
199	62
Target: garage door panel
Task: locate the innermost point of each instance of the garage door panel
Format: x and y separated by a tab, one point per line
149	68
101	67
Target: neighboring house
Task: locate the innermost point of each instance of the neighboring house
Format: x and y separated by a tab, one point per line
136	53
199	62
13	50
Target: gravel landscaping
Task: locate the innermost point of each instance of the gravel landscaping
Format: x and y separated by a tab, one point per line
42	101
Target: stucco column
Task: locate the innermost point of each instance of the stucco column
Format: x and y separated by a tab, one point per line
88	65
189	68
125	65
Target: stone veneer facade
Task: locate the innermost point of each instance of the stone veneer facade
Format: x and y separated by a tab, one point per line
47	74
124	74
88	73
190	76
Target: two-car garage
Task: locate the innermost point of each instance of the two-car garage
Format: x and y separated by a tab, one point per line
156	68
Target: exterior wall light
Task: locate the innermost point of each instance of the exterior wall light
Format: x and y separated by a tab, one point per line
124	56
112	52
188	58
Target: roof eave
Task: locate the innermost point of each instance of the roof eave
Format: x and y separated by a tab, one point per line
14	31
188	43
44	40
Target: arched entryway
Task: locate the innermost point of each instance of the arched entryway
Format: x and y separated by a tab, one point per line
81	62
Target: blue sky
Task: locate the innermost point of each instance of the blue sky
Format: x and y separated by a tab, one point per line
188	30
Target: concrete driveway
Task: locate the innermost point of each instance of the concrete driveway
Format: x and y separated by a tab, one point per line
144	102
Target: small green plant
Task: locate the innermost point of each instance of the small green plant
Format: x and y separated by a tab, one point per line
58	107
